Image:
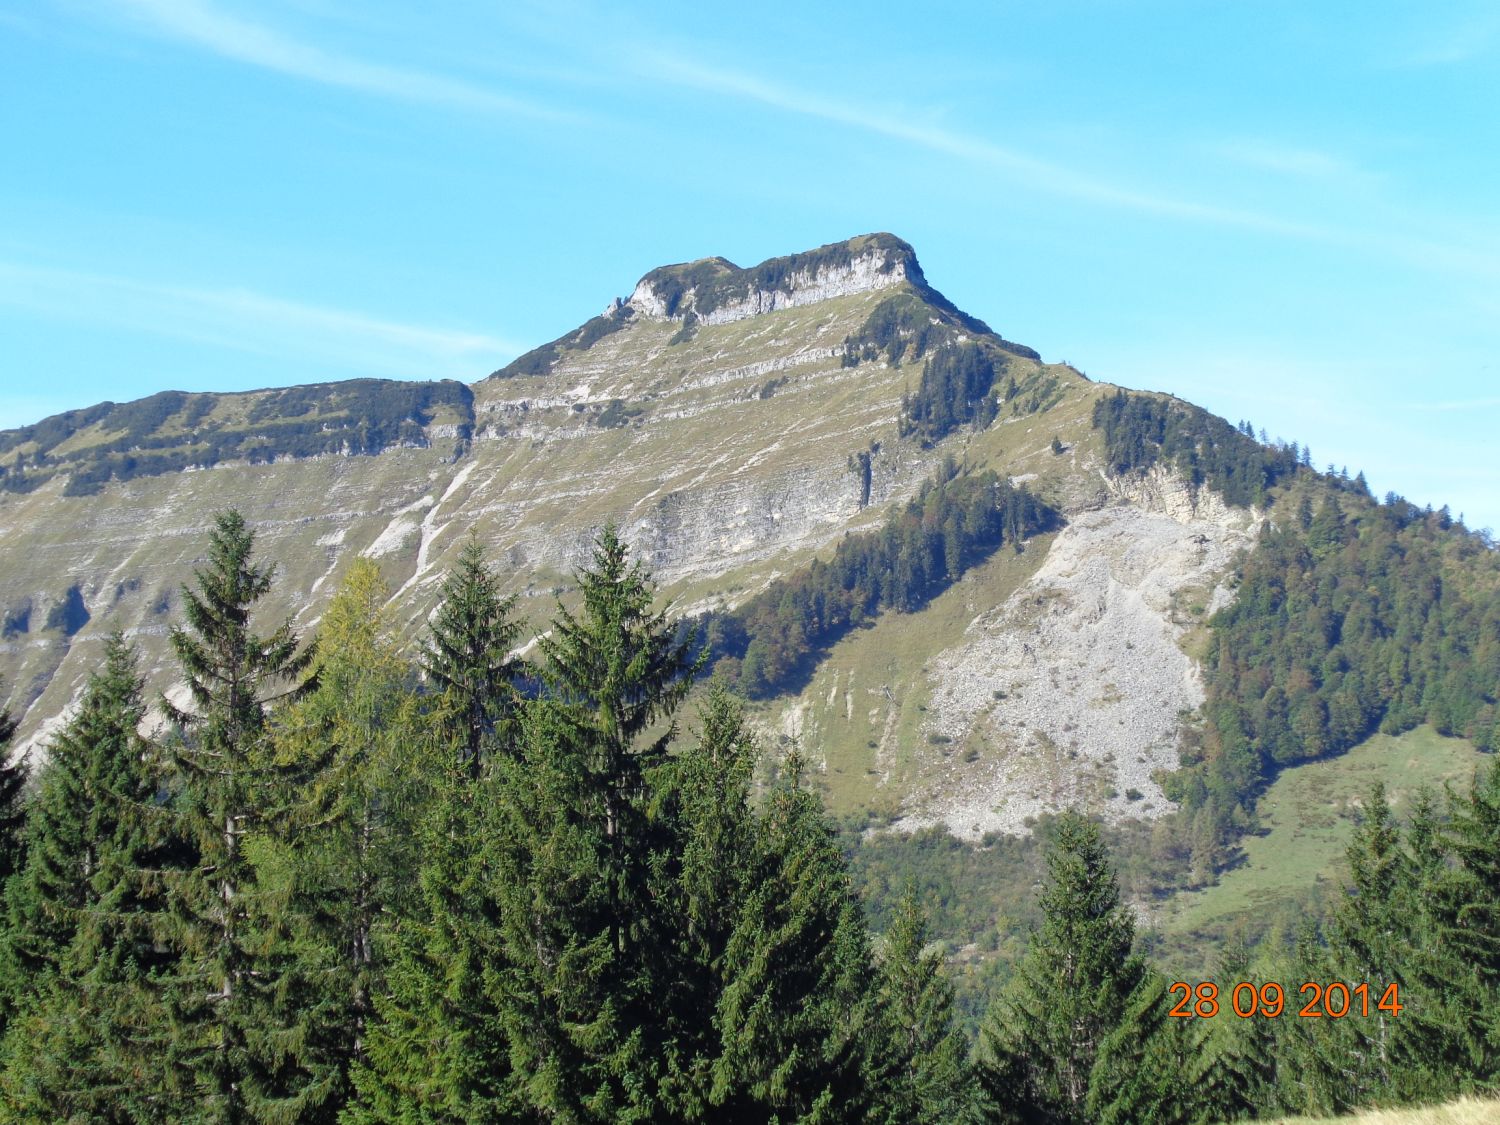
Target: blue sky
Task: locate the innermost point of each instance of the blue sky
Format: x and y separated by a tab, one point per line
1286	212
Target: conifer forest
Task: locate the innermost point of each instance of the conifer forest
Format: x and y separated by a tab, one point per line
339	886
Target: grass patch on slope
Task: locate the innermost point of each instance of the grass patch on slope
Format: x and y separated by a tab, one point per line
1297	861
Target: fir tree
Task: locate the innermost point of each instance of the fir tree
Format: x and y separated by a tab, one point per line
804	1034
585	944
919	998
468	653
223	1042
1073	988
89	919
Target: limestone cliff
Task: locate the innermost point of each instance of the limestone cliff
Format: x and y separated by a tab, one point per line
736	423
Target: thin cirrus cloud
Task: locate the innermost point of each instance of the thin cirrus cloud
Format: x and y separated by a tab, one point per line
1038	172
1433	254
1288	160
203	25
311	335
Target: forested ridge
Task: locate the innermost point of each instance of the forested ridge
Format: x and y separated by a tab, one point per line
343	887
1351	615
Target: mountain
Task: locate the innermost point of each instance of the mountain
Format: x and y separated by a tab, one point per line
740	425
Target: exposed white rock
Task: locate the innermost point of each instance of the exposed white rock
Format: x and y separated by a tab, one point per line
876	269
1071	692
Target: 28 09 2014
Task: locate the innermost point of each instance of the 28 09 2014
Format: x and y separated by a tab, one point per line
1332	1000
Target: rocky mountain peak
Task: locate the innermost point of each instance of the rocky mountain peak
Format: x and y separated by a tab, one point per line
716	291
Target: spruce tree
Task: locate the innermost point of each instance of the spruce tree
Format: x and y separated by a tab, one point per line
585	944
1472	930
1074	987
919	999
468	653
803	1028
89	919
437	1051
222	1041
704	794
1238	1056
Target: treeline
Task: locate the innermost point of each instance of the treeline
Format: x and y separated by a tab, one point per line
167	432
513	892
954	390
1351	617
1140	430
956	521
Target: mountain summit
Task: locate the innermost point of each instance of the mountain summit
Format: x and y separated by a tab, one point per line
744	427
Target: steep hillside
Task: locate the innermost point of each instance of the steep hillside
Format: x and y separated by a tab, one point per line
729	422
739	424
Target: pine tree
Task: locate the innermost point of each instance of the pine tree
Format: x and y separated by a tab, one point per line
919	998
223	1042
585	944
804	1033
1073	988
89	919
468	653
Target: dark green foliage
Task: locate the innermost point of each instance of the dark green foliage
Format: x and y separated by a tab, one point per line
1372	617
224	995
1078	1035
804	1033
919	1000
955	381
951	526
12	802
468	656
88	921
1140	430
573	850
901	329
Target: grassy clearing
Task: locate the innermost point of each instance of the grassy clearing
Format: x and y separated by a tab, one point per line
1465	1111
1307	816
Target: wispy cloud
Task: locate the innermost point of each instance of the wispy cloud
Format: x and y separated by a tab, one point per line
1050	176
251	322
1036	171
201	23
1287	159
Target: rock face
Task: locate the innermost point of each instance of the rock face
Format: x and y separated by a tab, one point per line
714	291
1075	686
713	418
